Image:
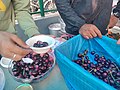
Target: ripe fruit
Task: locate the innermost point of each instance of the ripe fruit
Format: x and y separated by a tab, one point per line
40	65
103	68
40	44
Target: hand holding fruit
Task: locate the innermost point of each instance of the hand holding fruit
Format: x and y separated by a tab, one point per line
12	46
90	31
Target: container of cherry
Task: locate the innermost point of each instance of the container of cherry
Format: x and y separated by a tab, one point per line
92	64
35	66
41	43
100	66
32	68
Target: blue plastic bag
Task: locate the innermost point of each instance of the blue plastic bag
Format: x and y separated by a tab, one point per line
76	77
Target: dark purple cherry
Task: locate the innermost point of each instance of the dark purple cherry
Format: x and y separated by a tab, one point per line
104	74
45	44
96	55
92	52
80	55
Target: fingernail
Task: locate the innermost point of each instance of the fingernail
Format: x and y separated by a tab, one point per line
87	37
27	46
118	42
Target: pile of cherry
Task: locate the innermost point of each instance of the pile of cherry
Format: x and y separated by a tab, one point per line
103	68
39	66
40	44
67	36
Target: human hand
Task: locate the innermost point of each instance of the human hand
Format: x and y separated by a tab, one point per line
113	22
12	46
90	31
118	42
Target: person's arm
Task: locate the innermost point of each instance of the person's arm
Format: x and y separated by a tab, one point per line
25	20
69	15
115	16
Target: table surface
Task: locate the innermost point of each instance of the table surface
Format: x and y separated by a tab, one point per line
54	81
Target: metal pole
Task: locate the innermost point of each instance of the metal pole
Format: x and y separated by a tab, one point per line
41	7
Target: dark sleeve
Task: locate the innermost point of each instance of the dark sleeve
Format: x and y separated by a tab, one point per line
117	8
68	14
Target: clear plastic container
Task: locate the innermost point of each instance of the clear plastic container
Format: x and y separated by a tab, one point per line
31	79
2	79
5	62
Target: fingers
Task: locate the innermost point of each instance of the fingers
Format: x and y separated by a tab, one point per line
98	33
90	32
118	42
11	46
12	56
18	41
19	50
93	34
16	57
85	34
88	36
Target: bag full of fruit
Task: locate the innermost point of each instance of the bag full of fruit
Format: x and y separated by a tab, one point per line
92	64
